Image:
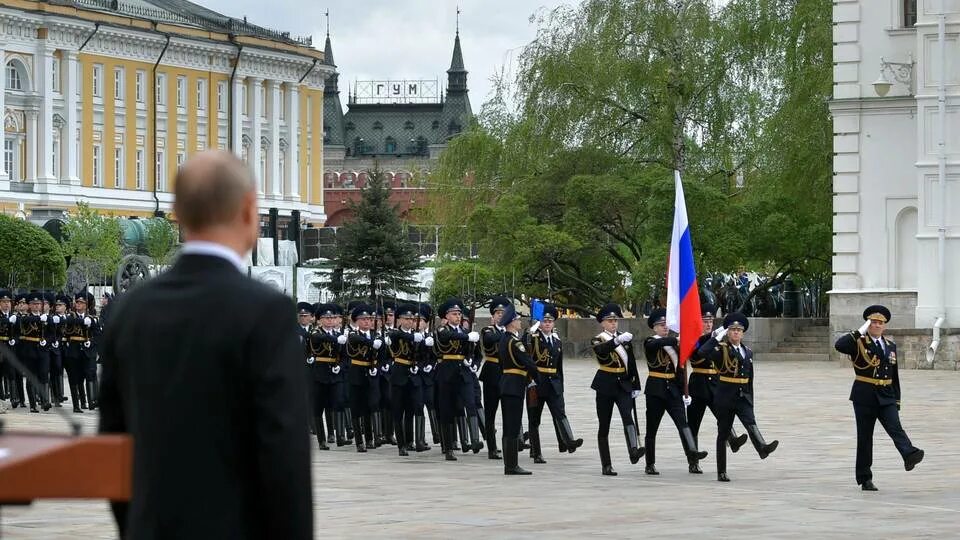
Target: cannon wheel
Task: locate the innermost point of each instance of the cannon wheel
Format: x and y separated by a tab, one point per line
132	270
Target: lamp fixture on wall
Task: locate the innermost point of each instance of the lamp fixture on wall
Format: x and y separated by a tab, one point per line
901	72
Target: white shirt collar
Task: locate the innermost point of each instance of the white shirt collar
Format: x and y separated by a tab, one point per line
199	247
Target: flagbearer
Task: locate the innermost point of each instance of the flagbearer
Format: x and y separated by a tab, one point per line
876	392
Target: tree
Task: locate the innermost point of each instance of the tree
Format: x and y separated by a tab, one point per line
92	242
161	238
29	257
373	249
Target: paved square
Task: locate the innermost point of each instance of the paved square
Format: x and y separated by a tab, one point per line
805	489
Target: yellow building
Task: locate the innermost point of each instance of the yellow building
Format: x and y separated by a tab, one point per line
104	99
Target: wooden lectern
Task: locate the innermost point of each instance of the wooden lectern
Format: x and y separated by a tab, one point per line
51	466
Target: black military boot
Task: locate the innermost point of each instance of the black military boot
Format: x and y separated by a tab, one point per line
523	441
91	395
763	449
377	440
435	428
447	440
565	433
348	417
650	445
690	445
511	451
868	486
317	426
475	441
32	397
736	441
912	459
340	426
535	451
492	452
722	461
604	445
75	398
633	446
56	386
369	431
331	426
82	388
358	434
389	430
408	434
561	444
401	439
462	433
421	434
321	435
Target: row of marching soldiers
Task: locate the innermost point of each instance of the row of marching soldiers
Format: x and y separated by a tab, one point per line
49	334
375	375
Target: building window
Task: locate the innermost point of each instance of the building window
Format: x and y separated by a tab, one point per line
221	97
9	153
118	83
262	92
263	166
13	78
56	156
377	126
160	178
56	74
390	146
98	165
201	94
141	77
161	90
243	100
140	171
181	157
97	80
118	166
181	91
408	125
283	164
909	13
282	112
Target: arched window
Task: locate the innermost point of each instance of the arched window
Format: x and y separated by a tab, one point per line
378	126
408	125
390	145
14	76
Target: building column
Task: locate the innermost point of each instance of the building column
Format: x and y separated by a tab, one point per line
69	140
31	170
45	127
292	174
253	93
4	175
236	117
273	159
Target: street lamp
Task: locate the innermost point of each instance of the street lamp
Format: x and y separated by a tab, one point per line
902	72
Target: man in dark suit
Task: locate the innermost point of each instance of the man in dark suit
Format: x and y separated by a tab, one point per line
216	406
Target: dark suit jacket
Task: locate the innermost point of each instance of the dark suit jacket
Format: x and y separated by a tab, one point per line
609	383
203	367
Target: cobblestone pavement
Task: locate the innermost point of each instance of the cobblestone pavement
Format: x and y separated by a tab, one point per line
805	489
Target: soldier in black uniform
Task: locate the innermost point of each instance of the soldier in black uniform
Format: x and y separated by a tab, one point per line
547	352
323	349
386	319
665	393
362	348
6	336
427	361
517	368
734	392
490	372
616	383
83	304
304	328
702	386
32	350
407	391
454	378
876	392
18	398
55	339
78	333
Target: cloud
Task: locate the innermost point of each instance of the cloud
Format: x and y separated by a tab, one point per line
404	39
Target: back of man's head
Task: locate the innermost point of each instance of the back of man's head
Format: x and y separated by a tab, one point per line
215	199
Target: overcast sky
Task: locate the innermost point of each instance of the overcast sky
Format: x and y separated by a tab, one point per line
404	39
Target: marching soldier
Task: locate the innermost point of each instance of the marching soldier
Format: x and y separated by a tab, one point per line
383	414
407	391
32	332
547	352
362	349
702	387
78	331
427	362
304	328
517	368
664	392
7	338
616	383
323	347
55	340
83	304
454	377
734	392
490	372
876	392
18	398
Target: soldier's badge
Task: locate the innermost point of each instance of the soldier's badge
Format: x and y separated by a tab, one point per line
893	357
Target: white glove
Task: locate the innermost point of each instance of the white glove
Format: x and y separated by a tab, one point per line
13	318
625	337
534	327
86	344
56	344
414	370
335	369
428	341
428	368
473	337
12	342
863	329
719	333
43	343
532	384
417	337
634	394
43	317
87	321
342	339
386	339
555	335
474	368
687	400
467	363
56	319
373	372
385	368
377	343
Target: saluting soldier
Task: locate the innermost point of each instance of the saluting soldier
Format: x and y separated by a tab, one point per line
876	392
734	392
616	383
702	387
547	352
454	377
362	349
664	392
406	391
517	369
490	372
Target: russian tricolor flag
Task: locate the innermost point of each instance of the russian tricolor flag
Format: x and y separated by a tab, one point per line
683	295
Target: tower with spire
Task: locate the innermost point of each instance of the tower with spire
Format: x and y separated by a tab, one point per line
456	106
332	107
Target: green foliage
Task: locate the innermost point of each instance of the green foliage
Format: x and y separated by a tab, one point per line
613	96
92	242
373	249
161	238
473	283
29	257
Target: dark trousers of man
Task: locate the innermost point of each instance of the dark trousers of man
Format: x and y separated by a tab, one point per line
37	362
90	376
743	410
695	413
325	398
364	399
512	416
74	363
867	416
535	412
56	375
491	402
605	405
407	402
656	406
